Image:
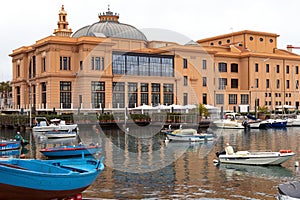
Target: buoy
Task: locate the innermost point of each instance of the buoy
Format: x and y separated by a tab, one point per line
296	164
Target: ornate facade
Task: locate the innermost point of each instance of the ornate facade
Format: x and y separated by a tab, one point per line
112	65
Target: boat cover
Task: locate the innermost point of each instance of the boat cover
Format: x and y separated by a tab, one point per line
291	189
251	117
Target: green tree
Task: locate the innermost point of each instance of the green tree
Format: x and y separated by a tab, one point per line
202	111
5	89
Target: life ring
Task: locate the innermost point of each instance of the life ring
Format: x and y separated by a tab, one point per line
285	151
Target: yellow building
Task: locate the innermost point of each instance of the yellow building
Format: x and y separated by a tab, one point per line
110	65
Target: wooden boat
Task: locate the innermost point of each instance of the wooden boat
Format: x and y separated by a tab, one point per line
31	179
188	135
256	157
71	150
9	145
289	190
42	125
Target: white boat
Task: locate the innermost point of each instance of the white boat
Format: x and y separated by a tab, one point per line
188	135
42	125
230	121
256	157
60	134
289	190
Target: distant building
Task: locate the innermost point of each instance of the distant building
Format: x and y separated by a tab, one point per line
111	65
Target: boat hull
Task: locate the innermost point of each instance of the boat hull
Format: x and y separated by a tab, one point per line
227	124
60	134
270	158
46	179
9	145
200	138
16	193
70	151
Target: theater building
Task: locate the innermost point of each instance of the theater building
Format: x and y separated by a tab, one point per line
112	65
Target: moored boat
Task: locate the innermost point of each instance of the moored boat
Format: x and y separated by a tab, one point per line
31	179
9	145
188	135
71	150
256	157
60	134
42	125
230	121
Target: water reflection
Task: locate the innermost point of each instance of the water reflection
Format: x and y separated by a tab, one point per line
138	166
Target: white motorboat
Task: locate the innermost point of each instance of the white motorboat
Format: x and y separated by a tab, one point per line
189	135
43	126
289	190
256	157
60	134
230	121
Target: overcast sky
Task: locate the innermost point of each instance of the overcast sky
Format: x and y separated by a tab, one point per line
24	22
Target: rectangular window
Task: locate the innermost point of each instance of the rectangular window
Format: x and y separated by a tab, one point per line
18	70
277	83
185	98
98	94
204	63
219	98
297	70
97	63
185	63
287	84
44	94
256	67
65	94
168	94
222	67
287	69
204	81
267	83
267	68
244	99
204	98
234	83
118	64
222	83
118	99
65	63
155	66
256	83
132	95
144	93
185	80
155	94
297	84
232	98
132	66
277	69
234	67
43	64
81	65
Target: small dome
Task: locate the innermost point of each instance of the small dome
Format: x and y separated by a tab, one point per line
109	26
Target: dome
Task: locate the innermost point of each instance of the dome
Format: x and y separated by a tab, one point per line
109	26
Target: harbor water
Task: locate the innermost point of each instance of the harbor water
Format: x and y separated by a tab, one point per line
139	164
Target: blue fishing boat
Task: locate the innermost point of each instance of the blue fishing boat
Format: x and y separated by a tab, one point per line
30	179
9	145
71	150
10	153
